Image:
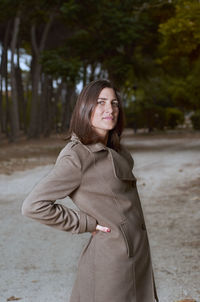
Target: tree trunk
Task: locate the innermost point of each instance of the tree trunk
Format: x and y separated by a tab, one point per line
49	105
92	73
84	74
7	99
14	102
1	101
34	127
20	94
3	80
67	106
57	120
36	71
45	106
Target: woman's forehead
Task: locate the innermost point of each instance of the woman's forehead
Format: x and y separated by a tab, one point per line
107	93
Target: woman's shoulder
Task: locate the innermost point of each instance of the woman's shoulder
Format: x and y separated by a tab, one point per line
124	151
75	150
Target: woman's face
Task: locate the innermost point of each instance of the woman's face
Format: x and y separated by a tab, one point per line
105	114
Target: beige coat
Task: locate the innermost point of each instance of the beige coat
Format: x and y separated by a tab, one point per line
115	266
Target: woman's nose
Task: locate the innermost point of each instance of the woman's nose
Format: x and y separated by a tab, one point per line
109	107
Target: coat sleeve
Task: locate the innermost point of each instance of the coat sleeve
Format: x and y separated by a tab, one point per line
63	179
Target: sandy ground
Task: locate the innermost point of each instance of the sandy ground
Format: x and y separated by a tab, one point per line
38	263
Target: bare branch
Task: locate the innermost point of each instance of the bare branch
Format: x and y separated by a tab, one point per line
46	31
33	39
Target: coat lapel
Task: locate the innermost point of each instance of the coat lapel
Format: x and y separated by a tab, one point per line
121	165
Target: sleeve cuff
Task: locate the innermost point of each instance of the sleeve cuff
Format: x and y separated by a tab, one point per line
86	223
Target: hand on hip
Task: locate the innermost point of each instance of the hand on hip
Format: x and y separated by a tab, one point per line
102	229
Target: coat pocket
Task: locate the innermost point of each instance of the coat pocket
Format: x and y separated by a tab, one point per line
127	238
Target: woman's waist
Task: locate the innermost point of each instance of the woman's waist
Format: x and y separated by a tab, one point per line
116	220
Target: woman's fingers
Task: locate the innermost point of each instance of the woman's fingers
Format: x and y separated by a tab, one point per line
102	228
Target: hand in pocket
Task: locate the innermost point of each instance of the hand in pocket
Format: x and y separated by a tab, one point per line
102	229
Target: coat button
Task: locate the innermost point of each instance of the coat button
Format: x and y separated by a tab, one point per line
143	227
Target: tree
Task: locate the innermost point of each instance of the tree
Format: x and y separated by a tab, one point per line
4	109
78	41
14	100
181	33
180	53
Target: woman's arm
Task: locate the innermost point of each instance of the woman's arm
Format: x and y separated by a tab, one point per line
63	179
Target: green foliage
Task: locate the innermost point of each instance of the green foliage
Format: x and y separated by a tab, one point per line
180	56
181	33
193	86
70	9
152	117
178	89
57	64
116	35
174	117
195	118
140	114
133	115
149	49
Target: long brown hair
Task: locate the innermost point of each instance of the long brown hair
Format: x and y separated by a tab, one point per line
81	117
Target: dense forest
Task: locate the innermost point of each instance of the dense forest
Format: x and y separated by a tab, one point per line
150	50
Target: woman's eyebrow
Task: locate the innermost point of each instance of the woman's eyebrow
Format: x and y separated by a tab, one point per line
106	99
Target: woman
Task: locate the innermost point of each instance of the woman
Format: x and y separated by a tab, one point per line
96	172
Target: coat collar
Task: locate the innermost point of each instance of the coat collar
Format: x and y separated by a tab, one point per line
122	167
92	147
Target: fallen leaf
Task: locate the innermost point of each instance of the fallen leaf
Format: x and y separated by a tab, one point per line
187	300
13	298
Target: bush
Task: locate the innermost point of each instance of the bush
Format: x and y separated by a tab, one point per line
145	116
134	117
195	118
174	117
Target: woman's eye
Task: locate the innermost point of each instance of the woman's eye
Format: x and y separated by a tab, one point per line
101	102
115	104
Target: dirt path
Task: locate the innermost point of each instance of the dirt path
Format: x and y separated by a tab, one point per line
38	263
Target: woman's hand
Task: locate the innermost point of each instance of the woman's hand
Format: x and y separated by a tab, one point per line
102	229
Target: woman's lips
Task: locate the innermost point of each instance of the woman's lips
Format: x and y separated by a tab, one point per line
108	118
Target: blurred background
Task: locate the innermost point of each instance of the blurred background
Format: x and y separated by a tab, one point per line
50	49
150	50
